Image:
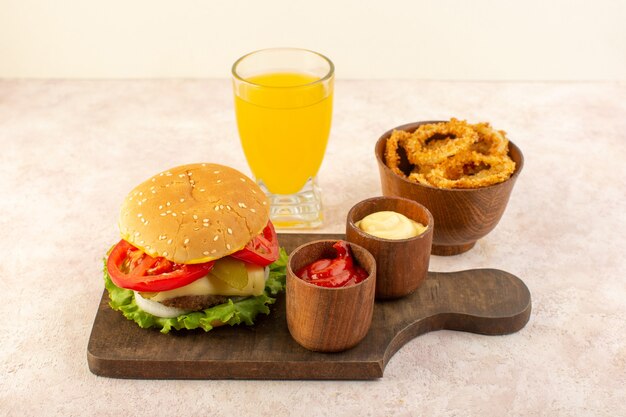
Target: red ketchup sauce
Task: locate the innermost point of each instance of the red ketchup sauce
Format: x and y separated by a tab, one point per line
338	272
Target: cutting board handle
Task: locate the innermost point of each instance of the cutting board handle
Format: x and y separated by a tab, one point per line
485	301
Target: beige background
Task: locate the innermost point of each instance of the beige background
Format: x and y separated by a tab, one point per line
451	39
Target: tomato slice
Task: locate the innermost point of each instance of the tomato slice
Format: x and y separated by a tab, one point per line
262	250
133	269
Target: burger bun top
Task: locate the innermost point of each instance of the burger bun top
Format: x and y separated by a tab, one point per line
194	213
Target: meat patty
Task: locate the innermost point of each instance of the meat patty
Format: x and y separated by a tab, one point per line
195	302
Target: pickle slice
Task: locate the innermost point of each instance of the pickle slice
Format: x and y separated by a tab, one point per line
231	271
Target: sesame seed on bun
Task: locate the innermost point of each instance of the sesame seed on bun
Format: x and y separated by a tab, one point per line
194	213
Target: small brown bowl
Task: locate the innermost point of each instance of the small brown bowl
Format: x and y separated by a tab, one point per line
401	265
462	216
329	319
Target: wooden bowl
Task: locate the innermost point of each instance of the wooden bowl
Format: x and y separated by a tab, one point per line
329	319
402	264
462	216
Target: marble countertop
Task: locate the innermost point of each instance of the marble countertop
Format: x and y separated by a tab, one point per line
71	150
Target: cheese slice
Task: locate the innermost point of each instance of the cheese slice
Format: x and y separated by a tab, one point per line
211	285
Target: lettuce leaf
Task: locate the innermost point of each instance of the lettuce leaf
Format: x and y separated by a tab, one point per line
232	312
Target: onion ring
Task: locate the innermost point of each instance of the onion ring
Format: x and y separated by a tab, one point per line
392	158
490	141
468	169
423	149
452	154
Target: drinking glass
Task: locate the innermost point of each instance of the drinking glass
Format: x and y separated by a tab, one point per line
283	105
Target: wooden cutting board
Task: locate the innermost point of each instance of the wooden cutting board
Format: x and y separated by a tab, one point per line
486	301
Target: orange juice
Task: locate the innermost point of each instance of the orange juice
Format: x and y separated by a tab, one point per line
284	122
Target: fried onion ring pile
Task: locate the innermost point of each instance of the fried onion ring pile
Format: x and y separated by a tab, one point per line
452	154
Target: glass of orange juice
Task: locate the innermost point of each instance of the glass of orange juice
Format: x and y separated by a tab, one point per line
283	104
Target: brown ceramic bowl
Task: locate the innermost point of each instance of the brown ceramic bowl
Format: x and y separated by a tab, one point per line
462	216
402	264
329	319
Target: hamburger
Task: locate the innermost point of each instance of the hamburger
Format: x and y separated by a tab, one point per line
197	250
